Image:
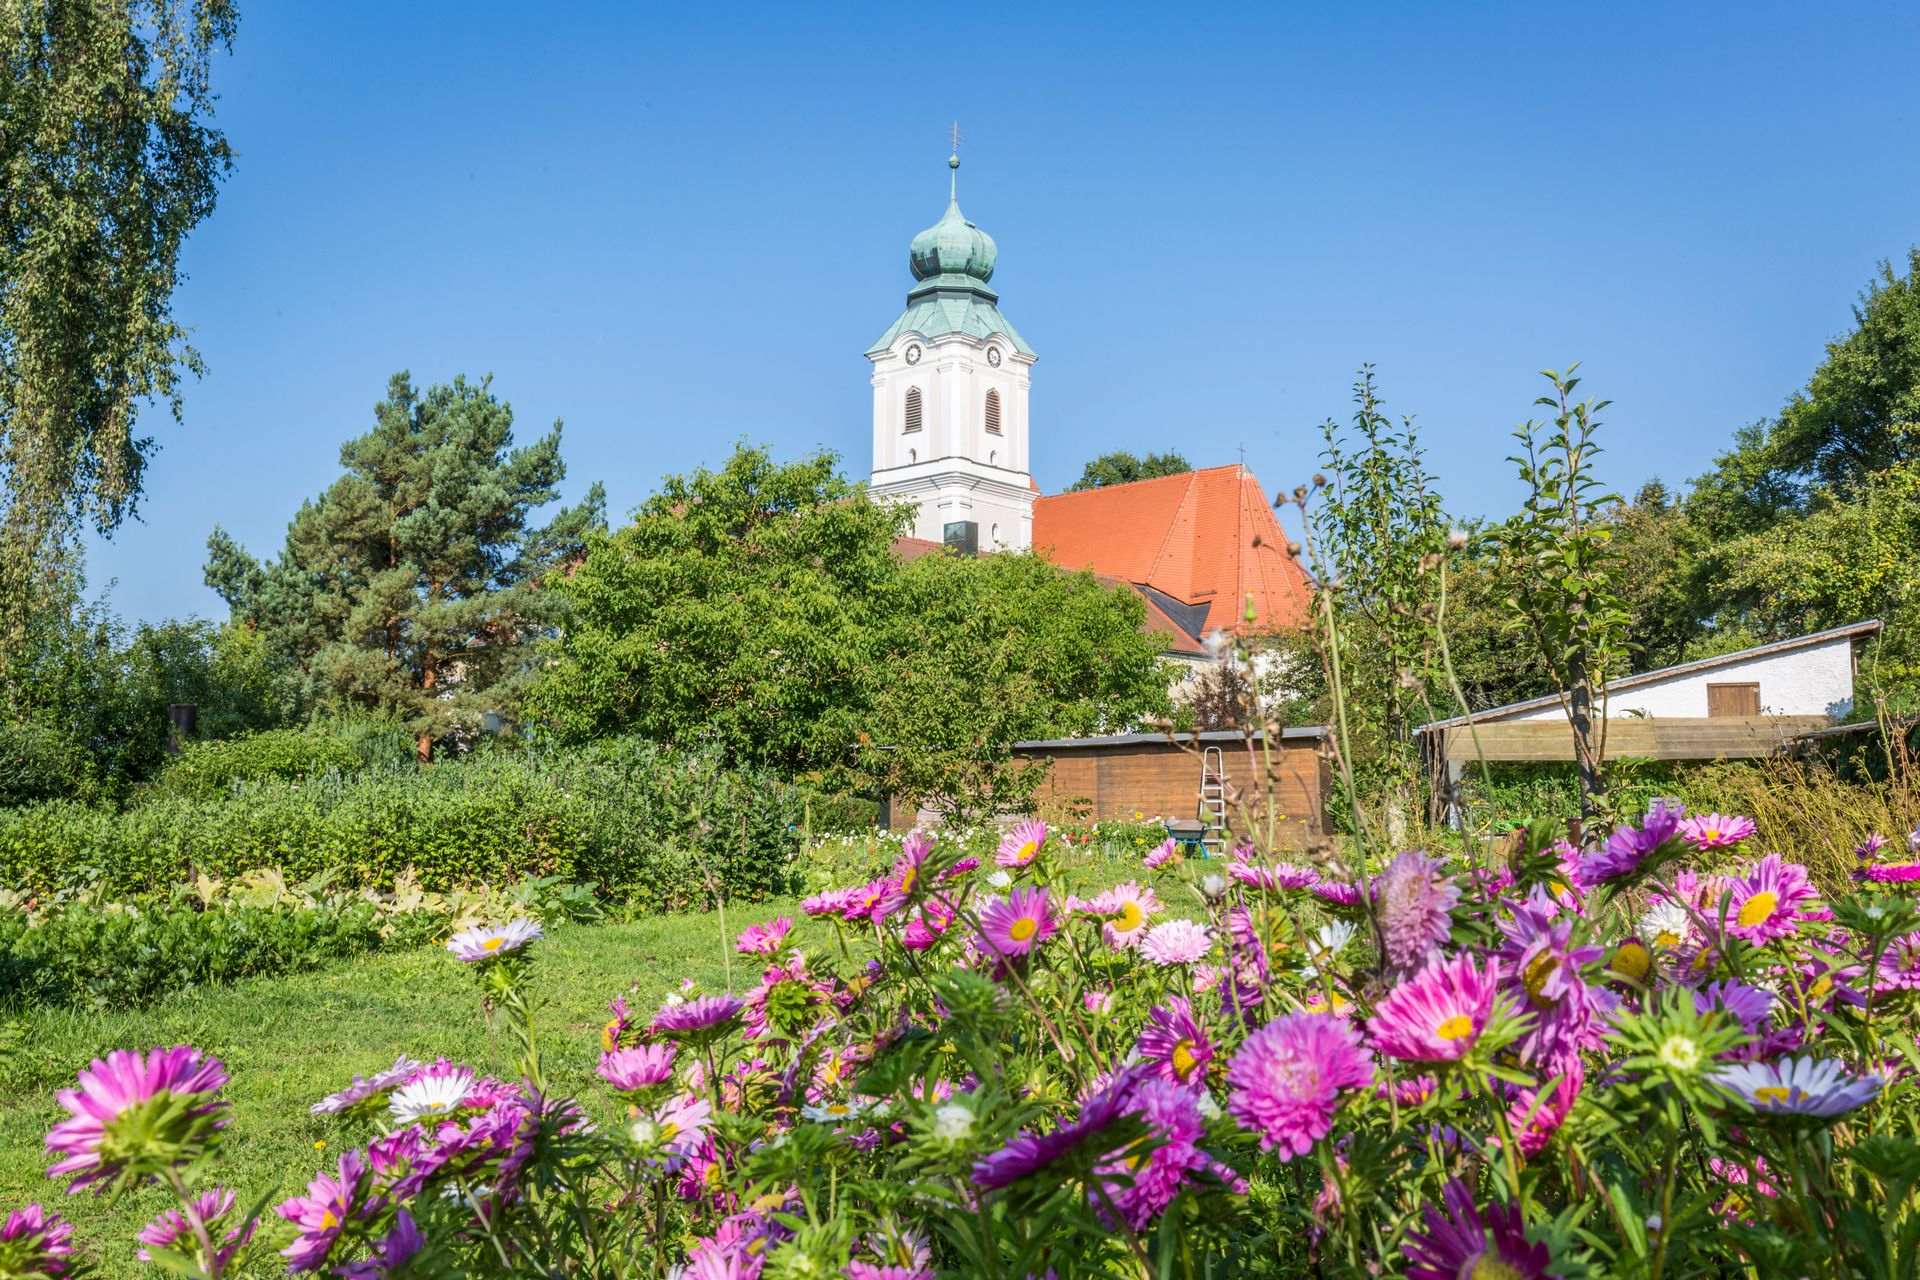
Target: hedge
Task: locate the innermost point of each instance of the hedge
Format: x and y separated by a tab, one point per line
660	827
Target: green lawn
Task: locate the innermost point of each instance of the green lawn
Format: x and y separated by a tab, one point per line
290	1041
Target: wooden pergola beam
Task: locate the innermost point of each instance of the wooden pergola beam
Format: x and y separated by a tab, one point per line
1649	738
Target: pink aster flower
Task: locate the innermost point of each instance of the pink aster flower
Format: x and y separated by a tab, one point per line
928	927
172	1231
1415	902
786	1003
641	1067
1764	903
138	1115
1438	1014
1161	854
1286	1080
487	941
1023	844
364	1089
1715	830
1016	924
1276	875
1175	1127
1458	1239
323	1212
829	902
1335	892
1537	1114
1128	907
37	1243
698	1016
764	939
1175	1044
1176	942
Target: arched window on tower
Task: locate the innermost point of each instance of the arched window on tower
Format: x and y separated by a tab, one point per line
913	409
993	412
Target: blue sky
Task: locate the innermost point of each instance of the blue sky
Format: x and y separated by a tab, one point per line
677	226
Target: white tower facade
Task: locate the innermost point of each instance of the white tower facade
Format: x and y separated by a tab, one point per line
950	388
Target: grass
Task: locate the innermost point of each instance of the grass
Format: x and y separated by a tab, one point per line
289	1041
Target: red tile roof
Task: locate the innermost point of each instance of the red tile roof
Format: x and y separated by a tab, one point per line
1203	537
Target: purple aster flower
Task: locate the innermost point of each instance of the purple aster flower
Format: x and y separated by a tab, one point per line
1335	892
487	941
700	1016
1543	970
786	1003
1415	902
1016	924
367	1088
1278	875
1764	903
390	1253
1459	1240
1628	847
320	1215
1751	1005
1141	1187
1175	1044
1438	1014
641	1067
134	1114
1286	1080
1161	854
34	1242
1716	831
1813	1087
172	1231
1029	1153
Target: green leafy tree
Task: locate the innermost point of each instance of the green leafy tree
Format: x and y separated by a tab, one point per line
1558	565
107	161
740	607
1657	550
1123	468
416	585
977	654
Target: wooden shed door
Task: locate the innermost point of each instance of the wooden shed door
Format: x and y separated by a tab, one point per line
1733	699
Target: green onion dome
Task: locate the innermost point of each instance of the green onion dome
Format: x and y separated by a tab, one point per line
953	246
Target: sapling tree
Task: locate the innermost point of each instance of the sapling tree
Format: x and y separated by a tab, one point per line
1558	565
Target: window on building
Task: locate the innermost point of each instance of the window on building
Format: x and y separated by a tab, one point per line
913	409
1733	699
993	412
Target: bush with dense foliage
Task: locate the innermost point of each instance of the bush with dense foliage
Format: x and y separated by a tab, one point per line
664	828
210	768
1663	1058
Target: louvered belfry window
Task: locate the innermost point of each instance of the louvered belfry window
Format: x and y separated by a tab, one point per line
993	412
913	409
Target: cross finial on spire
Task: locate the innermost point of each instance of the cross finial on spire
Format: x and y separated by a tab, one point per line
953	165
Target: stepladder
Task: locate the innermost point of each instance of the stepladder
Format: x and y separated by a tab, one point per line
1213	800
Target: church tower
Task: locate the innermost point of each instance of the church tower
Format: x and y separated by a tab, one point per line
950	382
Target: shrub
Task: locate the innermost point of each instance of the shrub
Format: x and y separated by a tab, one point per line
209	768
665	828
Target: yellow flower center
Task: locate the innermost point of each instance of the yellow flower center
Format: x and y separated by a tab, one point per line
492	944
1710	834
1488	1266
610	1036
1770	1093
436	1105
1539	970
1130	918
1666	938
1758	908
1027	851
327	1221
838	1108
668	1130
1631	960
1458	1027
1023	928
1183	1060
908	878
1822	986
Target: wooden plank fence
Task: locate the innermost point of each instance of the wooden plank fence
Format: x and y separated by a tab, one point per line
1644	737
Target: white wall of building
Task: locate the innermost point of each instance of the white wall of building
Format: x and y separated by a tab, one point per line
1810	681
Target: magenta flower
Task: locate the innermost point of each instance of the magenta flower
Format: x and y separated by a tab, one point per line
137	1116
1175	1044
364	1089
1715	831
1335	892
34	1242
391	1252
1127	908
831	902
320	1215
700	1016
1161	854
487	941
1029	1153
1438	1014
172	1231
631	1070
1537	1114
1764	903
1023	844
1415	902
1277	875
1285	1082
1628	847
1014	925
1176	942
928	927
763	939
1751	1005
1543	968
1890	873
1459	1240
1174	1124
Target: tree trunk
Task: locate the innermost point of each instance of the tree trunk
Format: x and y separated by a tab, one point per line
1586	753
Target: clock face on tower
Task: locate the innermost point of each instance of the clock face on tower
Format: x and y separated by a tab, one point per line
993	356
913	353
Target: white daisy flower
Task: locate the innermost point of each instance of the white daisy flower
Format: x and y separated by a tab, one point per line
833	1112
1665	925
430	1096
1801	1086
952	1122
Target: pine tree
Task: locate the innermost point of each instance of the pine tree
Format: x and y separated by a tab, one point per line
412	587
